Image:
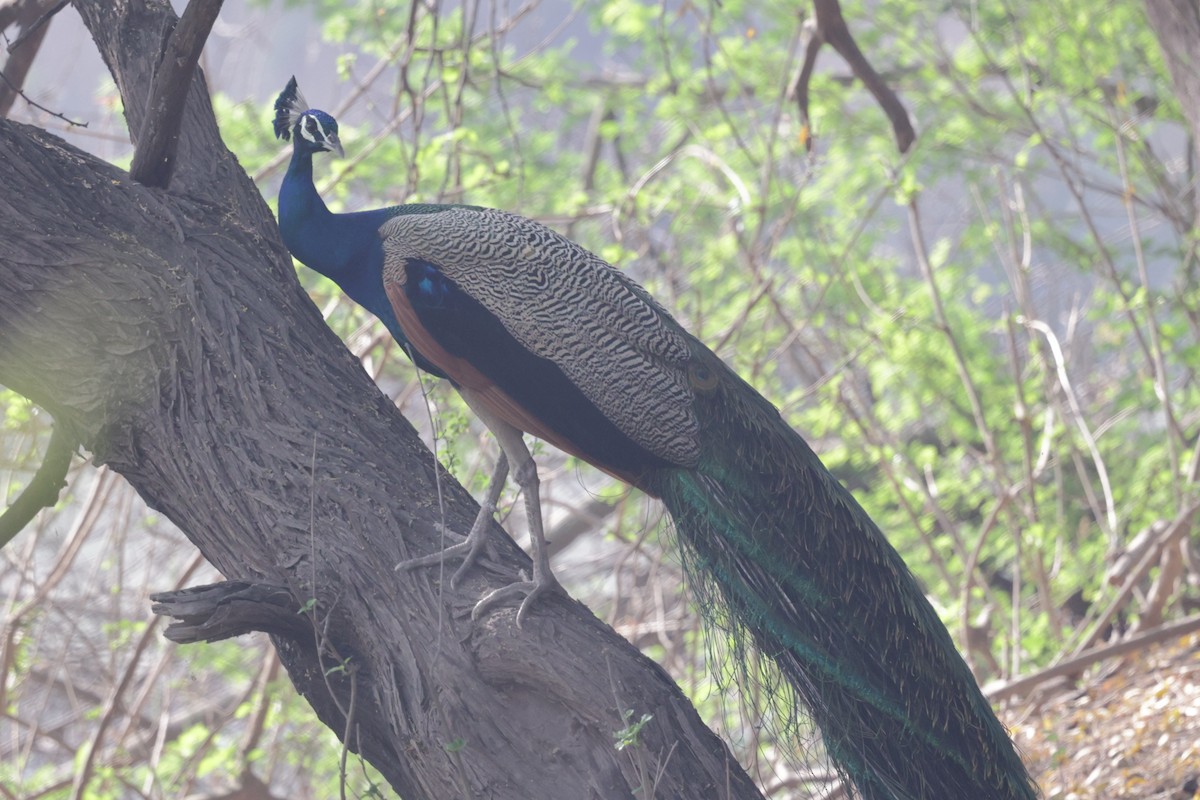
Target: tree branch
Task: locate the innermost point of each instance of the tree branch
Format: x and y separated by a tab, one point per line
1019	687
43	490
154	155
829	26
1176	23
32	17
224	610
27	13
130	38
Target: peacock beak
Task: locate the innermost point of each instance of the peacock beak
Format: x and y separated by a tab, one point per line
334	144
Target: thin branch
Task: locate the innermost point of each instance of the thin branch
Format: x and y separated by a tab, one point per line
1107	516
16	68
1022	686
1178	527
831	28
42	491
17	90
154	157
37	25
800	86
1158	363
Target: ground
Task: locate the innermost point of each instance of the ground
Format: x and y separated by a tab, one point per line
1131	731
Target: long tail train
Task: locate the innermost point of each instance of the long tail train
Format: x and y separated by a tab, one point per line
806	573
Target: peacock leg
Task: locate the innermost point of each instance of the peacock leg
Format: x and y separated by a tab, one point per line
516	455
525	473
543	577
469	549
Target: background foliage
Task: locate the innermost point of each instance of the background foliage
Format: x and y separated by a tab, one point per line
993	340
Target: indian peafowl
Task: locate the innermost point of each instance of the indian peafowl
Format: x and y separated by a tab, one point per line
543	337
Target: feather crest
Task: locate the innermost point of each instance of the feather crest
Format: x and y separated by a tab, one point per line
288	107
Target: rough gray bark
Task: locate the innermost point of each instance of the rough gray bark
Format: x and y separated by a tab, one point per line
167	331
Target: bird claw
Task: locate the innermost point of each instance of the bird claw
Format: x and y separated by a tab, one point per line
468	550
530	590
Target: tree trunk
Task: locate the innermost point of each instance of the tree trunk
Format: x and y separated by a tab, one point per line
1176	23
167	332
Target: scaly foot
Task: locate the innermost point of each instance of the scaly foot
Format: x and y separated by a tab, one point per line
470	549
529	590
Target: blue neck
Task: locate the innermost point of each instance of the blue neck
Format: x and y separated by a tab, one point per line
343	247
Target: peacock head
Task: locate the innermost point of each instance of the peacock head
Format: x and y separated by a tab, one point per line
314	131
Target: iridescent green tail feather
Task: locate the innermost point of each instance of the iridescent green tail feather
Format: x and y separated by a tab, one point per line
804	573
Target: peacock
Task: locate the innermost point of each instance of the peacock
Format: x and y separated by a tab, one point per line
541	336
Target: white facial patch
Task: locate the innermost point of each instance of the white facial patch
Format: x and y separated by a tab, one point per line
320	137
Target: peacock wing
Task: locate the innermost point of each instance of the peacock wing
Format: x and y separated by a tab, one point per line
564	304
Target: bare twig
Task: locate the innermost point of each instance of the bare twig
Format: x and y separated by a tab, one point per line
1108	515
830	26
1022	686
1179	525
23	49
36	25
85	522
17	89
1158	362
